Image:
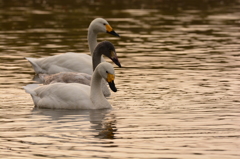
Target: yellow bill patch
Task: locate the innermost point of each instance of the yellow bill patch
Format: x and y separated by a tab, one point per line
110	77
108	28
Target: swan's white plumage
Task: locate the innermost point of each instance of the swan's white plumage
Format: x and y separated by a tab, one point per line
72	77
71	62
68	62
61	96
30	89
73	95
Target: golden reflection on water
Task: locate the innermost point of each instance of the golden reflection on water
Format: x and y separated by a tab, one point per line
178	88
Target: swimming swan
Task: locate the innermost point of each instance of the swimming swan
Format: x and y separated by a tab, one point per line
104	48
76	62
74	95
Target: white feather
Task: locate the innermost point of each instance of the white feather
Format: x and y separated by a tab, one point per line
30	88
68	62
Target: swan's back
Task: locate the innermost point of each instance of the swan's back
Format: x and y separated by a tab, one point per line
72	77
68	62
66	77
61	96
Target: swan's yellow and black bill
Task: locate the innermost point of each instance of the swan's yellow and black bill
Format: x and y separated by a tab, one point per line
110	80
114	58
110	77
110	30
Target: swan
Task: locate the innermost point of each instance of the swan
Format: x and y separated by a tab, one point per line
74	95
104	48
76	62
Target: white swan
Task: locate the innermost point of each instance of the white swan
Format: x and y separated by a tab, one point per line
75	95
75	62
104	48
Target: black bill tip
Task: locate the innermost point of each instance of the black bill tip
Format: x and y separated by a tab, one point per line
113	33
112	86
115	60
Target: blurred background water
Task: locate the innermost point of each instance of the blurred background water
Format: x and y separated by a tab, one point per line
178	89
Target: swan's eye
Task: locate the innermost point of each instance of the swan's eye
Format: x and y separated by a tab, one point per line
106	71
104	23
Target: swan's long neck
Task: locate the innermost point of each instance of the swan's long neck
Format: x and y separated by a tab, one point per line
92	40
96	59
96	94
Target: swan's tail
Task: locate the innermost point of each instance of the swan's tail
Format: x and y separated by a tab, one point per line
35	66
30	89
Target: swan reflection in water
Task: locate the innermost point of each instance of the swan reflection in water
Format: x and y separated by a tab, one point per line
102	121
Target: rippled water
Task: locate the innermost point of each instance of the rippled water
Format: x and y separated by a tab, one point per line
178	89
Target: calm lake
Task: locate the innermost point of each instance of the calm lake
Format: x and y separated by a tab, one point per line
178	90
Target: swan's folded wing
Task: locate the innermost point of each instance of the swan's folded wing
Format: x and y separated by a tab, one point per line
68	62
64	96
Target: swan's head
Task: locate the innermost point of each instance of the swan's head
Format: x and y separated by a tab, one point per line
106	48
101	25
106	70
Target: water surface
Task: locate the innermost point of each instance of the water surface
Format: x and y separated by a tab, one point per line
178	89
